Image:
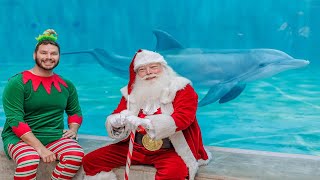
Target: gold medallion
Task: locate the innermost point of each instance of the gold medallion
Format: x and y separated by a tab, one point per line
150	144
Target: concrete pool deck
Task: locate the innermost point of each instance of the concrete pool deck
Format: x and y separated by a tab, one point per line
227	164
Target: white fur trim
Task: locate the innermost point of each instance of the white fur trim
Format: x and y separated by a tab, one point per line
124	92
163	125
176	84
167	108
182	148
146	57
102	176
127	112
205	162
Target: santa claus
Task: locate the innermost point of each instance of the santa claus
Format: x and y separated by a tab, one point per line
162	106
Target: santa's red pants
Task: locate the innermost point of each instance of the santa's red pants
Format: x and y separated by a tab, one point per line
168	163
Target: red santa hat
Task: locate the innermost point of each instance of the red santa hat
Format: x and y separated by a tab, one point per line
142	57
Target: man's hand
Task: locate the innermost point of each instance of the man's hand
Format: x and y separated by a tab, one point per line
133	122
70	134
46	155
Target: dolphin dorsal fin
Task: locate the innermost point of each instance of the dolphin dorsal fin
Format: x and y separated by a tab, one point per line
165	41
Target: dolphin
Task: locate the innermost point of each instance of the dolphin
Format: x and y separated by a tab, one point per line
225	72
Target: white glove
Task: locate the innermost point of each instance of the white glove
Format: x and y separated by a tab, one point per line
117	120
133	122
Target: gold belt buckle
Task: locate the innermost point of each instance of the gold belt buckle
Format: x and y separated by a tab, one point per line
151	144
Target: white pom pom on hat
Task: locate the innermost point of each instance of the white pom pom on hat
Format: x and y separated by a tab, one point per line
144	57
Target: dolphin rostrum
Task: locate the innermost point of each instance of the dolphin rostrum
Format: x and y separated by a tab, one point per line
224	72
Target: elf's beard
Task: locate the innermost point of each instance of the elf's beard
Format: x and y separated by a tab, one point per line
148	92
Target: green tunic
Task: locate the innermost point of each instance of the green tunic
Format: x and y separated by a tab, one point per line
43	111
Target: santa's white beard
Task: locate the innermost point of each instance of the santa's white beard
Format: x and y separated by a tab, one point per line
147	93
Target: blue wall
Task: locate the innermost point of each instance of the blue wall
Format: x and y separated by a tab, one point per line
124	26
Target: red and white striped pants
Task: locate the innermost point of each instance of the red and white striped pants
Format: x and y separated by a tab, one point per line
68	152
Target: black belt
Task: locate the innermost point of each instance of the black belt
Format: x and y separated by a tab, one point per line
166	141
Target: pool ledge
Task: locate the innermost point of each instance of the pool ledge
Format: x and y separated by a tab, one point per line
227	164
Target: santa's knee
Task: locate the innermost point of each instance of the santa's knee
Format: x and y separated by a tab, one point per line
175	172
88	163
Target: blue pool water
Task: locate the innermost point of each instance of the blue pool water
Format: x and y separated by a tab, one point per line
280	113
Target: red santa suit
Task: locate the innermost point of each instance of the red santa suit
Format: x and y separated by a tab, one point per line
177	120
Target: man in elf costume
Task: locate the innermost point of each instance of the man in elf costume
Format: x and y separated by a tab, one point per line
162	107
34	103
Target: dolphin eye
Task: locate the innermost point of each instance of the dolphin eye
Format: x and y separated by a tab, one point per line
262	65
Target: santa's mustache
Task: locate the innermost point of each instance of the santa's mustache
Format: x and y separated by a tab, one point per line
150	76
